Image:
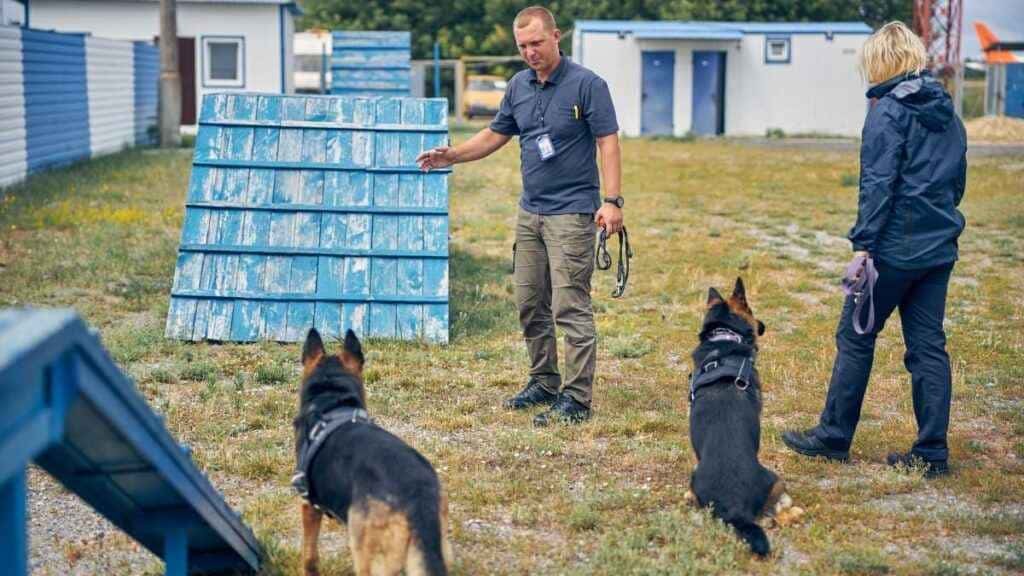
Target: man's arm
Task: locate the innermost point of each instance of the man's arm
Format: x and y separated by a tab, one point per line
481	145
609	216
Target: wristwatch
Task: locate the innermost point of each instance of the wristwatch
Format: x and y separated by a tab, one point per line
618	201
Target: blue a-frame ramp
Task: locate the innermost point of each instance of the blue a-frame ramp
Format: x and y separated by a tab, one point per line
66	406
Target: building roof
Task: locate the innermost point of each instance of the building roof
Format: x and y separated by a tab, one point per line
292	5
675	29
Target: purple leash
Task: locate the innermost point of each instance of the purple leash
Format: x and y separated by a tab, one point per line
859	281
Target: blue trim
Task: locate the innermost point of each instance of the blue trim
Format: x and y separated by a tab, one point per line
331	125
789	49
202	61
697	27
308	166
273	251
280	29
27	23
413	211
290	297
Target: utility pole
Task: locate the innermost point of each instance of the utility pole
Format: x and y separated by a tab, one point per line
939	24
170	82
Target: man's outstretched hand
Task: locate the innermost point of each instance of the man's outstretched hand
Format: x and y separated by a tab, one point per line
440	157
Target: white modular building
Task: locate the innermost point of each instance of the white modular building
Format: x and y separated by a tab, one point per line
223	45
728	78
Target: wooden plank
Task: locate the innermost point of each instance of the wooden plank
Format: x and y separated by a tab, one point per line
435	278
330	278
410	190
410	277
275	321
282	225
181	318
307	230
435	233
202	320
410	321
327	319
188	271
356	317
219	325
251	273
359	233
261	187
300	320
277	274
435	322
357	276
435	190
385	189
247	321
383	320
410	233
385	232
303	273
384	272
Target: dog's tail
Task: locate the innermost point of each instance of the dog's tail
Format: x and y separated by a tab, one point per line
754	535
427	556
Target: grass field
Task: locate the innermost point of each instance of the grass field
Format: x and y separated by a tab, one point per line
605	497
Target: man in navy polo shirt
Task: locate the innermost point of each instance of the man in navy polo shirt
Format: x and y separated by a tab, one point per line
563	116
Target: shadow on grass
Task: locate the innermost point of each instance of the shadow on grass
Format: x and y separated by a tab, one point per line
482	299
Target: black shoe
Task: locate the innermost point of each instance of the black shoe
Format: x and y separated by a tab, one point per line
808	444
533	395
932	468
566	409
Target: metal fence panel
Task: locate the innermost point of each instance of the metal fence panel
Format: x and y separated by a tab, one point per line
56	98
147	92
110	89
13	166
371	63
306	211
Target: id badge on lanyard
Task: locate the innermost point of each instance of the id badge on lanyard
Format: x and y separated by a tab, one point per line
545	147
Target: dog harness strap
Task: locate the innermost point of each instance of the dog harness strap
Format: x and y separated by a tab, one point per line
739	368
604	260
314	440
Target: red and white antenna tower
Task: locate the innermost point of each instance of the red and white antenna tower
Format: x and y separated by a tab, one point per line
939	24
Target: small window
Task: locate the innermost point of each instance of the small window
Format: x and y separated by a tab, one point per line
776	50
224	62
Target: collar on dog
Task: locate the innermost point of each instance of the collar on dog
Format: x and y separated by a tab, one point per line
313	439
604	260
720	334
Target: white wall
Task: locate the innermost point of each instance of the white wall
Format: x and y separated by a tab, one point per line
110	81
818	91
259	24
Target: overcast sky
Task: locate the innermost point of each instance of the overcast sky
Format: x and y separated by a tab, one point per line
1004	17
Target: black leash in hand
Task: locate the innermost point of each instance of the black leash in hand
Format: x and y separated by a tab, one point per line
604	260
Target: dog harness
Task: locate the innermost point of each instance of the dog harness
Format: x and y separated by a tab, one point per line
604	260
313	440
736	363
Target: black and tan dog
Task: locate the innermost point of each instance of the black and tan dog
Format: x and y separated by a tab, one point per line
725	423
358	473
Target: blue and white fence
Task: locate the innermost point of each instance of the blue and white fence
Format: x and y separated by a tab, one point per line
67	97
310	211
371	63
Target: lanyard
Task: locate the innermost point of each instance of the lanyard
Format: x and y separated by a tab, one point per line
538	90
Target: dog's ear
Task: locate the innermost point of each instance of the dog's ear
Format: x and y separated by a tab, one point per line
312	350
739	292
760	328
352	356
714	297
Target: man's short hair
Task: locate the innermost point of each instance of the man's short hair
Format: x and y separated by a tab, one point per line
526	15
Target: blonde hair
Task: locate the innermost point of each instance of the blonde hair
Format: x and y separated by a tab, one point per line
893	50
526	15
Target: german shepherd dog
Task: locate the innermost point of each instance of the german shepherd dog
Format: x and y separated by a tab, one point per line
387	494
725	423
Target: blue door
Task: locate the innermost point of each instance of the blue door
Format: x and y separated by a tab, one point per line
1015	90
656	104
708	93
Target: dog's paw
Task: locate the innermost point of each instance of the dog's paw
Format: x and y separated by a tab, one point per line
690	498
311	569
789	516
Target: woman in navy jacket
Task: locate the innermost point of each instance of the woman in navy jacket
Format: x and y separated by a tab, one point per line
913	174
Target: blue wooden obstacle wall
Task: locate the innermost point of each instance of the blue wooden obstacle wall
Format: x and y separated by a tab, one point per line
371	63
65	406
310	211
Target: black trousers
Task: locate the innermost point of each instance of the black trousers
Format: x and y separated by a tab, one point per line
920	296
